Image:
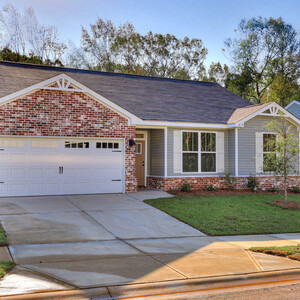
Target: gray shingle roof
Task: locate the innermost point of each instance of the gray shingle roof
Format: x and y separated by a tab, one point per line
149	98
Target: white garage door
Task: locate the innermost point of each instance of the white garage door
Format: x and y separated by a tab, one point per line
34	166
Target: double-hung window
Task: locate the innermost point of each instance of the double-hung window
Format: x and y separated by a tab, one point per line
208	152
190	152
198	152
269	154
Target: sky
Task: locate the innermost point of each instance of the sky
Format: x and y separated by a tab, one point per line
212	21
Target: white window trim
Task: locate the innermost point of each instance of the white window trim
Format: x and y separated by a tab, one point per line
199	152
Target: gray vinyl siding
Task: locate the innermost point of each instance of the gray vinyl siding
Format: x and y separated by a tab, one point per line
156	145
246	144
295	110
170	153
231	152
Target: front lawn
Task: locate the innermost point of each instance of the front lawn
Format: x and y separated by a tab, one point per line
3	239
5	266
292	252
232	215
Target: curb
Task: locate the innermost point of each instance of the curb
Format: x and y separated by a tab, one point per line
131	291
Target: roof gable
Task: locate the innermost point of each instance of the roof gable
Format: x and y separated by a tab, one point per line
66	83
272	109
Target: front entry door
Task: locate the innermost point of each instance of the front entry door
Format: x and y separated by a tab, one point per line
140	162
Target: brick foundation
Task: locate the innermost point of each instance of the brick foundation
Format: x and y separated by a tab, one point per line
219	182
70	114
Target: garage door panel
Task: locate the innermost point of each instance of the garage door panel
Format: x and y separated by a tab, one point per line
19	188
18	173
33	167
19	158
5	159
51	172
36	173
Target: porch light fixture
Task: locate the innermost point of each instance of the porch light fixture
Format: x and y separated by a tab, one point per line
131	143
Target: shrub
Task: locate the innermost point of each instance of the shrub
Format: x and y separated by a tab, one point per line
210	188
230	181
252	183
274	189
295	189
186	187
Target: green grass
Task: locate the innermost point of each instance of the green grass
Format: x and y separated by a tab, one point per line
232	215
5	266
288	249
292	252
3	239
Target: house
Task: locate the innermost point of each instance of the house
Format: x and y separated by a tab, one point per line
294	108
68	131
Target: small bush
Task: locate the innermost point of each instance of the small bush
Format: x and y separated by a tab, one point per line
295	189
186	187
210	188
274	189
230	181
252	183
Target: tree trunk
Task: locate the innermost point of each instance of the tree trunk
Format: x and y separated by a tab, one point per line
285	191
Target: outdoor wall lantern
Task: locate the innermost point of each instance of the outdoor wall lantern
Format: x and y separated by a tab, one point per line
131	143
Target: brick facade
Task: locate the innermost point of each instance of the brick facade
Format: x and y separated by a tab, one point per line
70	114
174	183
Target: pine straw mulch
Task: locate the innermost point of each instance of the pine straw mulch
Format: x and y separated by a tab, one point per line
222	192
287	205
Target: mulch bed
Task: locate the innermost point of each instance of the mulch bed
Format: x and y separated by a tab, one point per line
221	192
287	205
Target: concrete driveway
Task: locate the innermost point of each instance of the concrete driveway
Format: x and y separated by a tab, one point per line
84	240
104	240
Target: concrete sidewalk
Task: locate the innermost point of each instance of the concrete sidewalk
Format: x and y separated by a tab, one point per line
143	261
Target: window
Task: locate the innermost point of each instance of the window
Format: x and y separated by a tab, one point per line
198	155
208	152
106	145
190	152
269	154
138	148
139	135
77	145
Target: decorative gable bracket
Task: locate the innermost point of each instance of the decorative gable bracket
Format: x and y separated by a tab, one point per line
62	83
272	111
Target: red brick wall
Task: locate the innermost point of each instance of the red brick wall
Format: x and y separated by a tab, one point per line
219	182
70	114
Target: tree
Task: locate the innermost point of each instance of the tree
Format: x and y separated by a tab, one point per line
216	73
106	47
24	35
8	55
265	50
283	150
283	90
169	56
